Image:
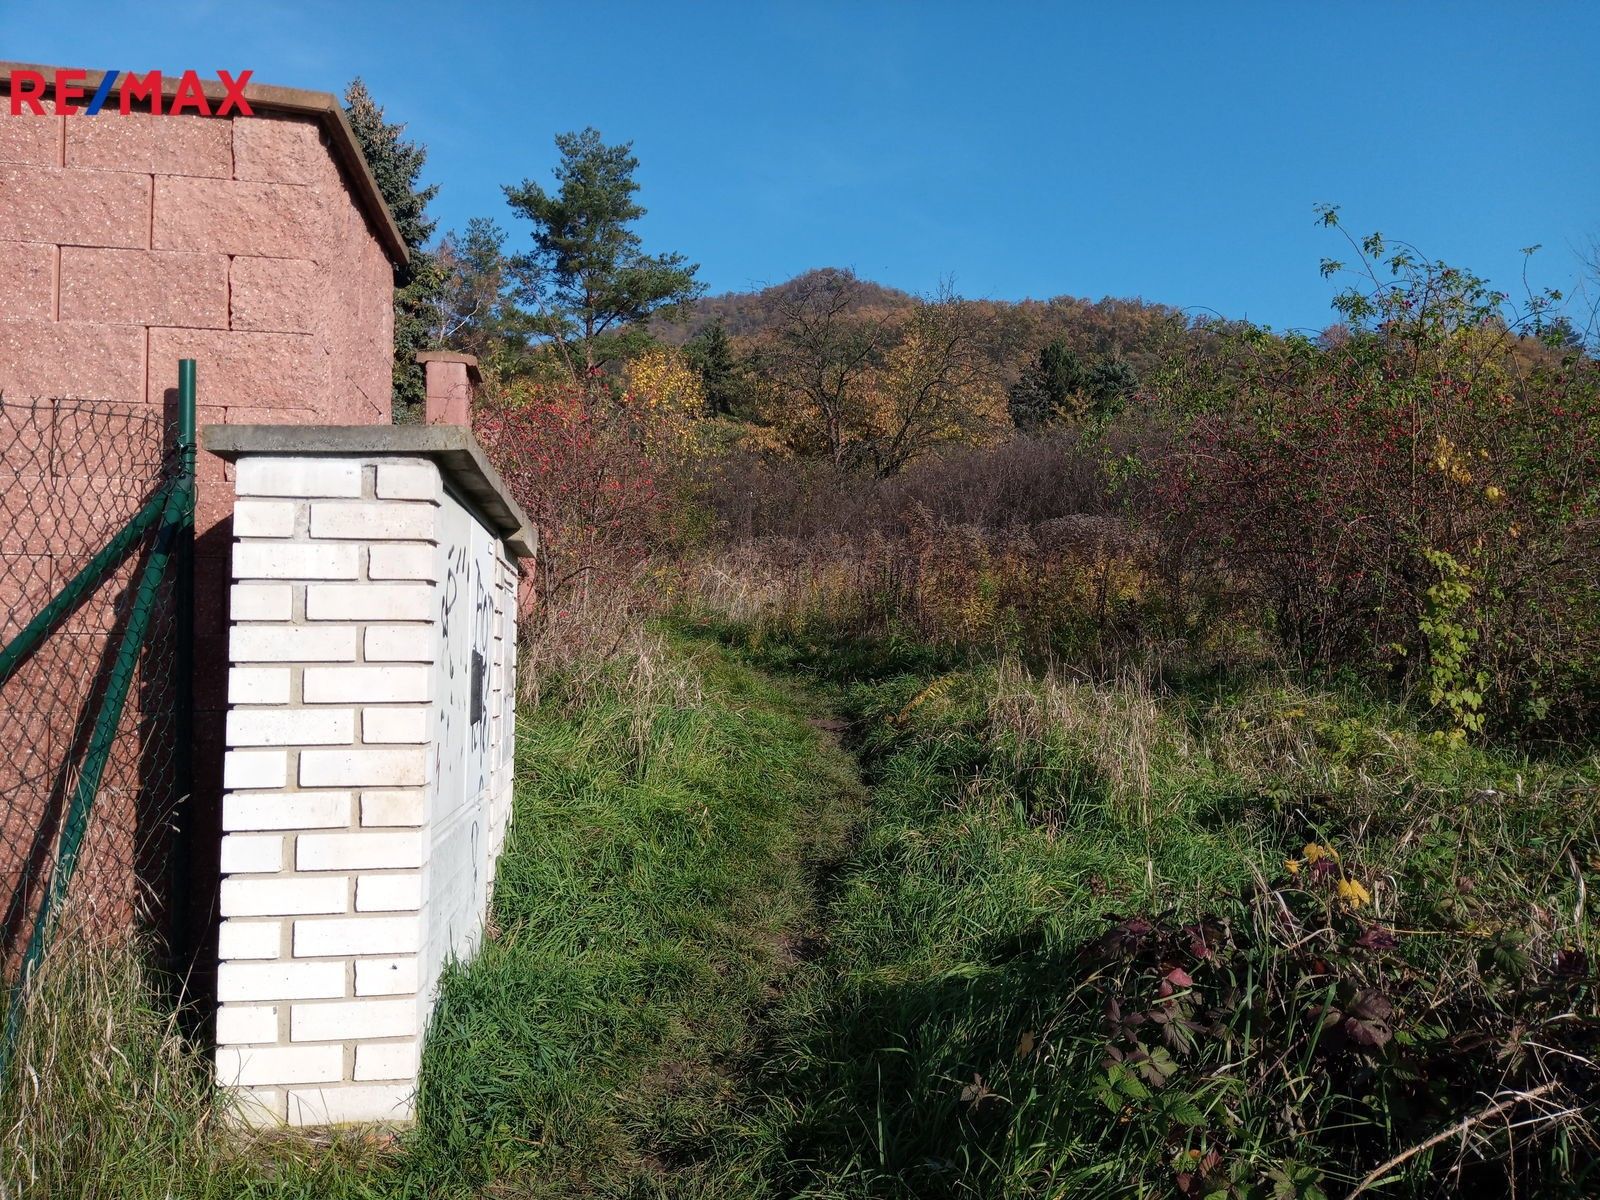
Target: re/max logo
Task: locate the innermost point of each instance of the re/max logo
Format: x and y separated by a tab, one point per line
28	90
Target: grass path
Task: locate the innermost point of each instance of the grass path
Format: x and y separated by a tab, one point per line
652	909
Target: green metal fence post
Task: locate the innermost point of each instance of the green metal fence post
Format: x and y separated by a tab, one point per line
101	739
85	581
183	664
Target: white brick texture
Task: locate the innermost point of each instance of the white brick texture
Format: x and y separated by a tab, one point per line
279	1064
250	939
369	601
366	850
388	893
397	560
365	685
394	725
379	808
386	976
244	853
387	1060
284	896
363	768
397	643
408	481
343	1021
295	560
291	727
344	1105
356	935
280	981
264	518
285	810
297	477
348	773
261	602
246	1023
292	643
255	769
370	522
258	685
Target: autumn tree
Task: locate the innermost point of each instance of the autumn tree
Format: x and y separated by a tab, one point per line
819	362
587	280
396	165
663	399
938	385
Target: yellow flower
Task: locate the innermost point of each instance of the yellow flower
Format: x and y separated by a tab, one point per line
1353	893
1292	865
1315	852
1493	494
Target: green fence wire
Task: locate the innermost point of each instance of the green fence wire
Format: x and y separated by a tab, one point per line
96	543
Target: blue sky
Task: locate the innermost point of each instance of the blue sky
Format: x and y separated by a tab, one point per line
1169	151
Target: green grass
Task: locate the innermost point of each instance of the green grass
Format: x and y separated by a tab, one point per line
730	959
959	1041
656	884
648	906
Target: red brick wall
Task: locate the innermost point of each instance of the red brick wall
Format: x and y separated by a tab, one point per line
129	242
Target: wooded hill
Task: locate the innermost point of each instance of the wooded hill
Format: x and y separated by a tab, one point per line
1139	332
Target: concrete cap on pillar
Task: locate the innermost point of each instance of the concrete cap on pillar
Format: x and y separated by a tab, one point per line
450	382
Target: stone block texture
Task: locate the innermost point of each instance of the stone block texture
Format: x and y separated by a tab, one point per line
129	241
371	677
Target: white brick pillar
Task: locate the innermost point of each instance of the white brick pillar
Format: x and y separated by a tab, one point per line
368	766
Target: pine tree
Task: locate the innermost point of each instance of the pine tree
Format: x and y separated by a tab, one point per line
1051	388
1109	385
587	276
396	165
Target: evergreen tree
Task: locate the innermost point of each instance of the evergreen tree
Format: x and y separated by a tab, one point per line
722	375
1109	385
587	277
396	165
1050	389
473	309
1058	386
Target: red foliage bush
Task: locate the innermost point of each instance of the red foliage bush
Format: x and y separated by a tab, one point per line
594	498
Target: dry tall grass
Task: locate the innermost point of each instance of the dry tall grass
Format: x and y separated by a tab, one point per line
107	1096
1116	731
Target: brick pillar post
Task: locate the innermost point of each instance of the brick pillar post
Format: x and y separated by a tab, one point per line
327	767
451	380
371	682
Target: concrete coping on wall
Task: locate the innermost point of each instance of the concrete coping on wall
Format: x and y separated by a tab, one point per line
460	458
469	361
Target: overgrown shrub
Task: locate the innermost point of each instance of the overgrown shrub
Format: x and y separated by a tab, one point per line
1418	498
1413	497
1264	943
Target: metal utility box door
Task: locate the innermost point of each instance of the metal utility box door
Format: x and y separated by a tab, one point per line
474	683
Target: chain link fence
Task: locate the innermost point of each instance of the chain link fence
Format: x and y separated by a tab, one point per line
96	520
